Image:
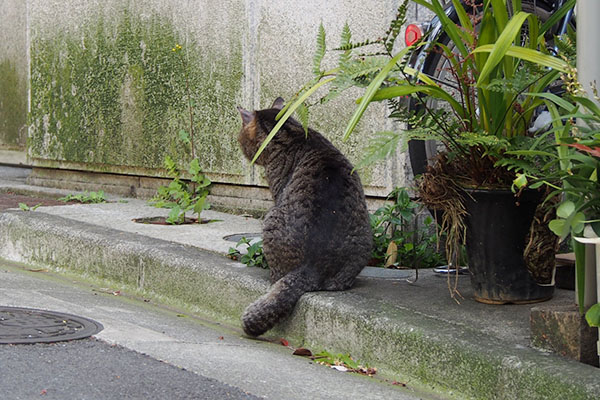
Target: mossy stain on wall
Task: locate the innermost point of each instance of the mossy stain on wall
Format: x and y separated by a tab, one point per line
13	107
116	93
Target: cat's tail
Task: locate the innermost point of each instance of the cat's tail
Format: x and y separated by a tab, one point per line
278	302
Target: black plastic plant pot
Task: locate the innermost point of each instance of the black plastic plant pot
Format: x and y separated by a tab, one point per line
497	228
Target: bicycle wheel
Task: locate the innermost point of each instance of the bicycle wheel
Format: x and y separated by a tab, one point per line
422	152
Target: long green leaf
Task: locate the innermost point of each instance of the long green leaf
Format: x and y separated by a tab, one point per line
555	17
450	28
487	35
561	132
559	101
464	19
579	249
523	53
589	104
534	28
500	14
287	114
420	76
404	90
499	50
371	90
424	4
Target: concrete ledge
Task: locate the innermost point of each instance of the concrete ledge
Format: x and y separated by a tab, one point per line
563	330
150	265
430	346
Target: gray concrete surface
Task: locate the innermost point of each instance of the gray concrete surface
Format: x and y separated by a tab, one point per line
210	354
91	369
413	332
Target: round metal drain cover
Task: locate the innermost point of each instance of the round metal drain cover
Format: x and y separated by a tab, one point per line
26	325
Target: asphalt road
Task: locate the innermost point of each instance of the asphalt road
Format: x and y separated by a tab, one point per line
93	369
148	352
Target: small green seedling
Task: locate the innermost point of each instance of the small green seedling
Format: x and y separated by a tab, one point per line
181	197
398	239
25	207
86	198
254	256
343	362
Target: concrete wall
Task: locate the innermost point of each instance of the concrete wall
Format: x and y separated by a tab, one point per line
13	80
109	94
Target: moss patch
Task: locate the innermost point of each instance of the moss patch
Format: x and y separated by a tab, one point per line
114	92
13	107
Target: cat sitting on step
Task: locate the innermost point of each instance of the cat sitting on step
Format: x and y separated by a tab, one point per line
317	236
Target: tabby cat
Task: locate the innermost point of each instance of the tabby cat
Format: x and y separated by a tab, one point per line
317	236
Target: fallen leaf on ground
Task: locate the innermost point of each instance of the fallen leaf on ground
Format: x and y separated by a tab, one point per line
37	270
284	342
302	352
399	384
366	371
43	392
221	337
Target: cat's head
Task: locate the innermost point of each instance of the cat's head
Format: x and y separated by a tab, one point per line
255	128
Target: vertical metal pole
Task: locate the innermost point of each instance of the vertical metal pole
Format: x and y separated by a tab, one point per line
588	51
588	70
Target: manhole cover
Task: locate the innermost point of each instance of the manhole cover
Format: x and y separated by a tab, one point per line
26	325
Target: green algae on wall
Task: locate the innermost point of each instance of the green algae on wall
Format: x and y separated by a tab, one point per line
13	107
115	93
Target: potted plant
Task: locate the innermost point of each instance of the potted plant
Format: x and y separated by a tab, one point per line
578	157
485	116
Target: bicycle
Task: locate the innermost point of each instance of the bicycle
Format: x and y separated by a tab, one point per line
431	63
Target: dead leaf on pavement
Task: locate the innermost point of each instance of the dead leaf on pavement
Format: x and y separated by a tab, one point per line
302	352
284	342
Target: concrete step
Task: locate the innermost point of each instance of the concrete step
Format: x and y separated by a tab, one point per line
412	332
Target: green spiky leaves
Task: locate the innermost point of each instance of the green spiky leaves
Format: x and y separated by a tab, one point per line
320	51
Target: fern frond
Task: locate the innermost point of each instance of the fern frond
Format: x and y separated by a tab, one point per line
346	37
302	112
515	164
473	139
359	68
341	83
320	51
566	45
352	46
381	146
522	79
395	27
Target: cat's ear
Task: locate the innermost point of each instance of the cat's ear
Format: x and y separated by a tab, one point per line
278	103
247	116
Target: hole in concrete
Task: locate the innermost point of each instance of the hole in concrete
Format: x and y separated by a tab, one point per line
163	221
238	236
26	325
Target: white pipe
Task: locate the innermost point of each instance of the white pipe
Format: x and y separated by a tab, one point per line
588	71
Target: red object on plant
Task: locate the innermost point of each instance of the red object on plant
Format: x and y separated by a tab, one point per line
593	151
412	34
